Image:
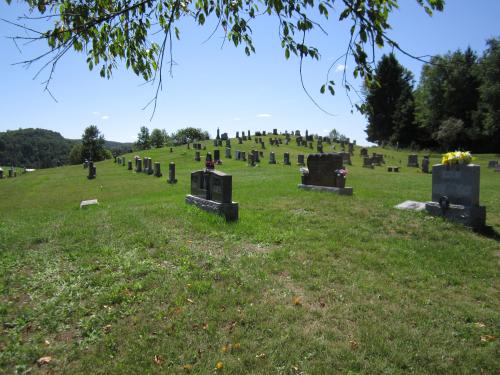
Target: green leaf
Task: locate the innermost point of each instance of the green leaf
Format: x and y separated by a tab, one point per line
322	90
287	53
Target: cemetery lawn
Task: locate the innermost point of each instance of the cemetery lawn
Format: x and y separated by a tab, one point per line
304	283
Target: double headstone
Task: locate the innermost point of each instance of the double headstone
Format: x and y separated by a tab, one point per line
212	191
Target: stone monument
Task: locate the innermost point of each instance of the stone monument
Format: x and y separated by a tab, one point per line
324	173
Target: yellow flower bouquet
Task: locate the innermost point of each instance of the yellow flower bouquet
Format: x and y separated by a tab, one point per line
456	157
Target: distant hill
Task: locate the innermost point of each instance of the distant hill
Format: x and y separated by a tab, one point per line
41	148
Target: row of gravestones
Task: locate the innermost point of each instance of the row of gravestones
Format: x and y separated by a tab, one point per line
211	190
12	173
254	157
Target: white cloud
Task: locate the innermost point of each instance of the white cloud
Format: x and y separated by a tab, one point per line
340	68
96	113
105	117
262	115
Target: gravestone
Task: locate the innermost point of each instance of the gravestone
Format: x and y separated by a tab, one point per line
367	162
171	149
300	159
286	158
243	156
197	156
275	131
85	164
425	165
228	143
237	155
322	174
129	165
492	163
249	137
346	157
256	156
413	160
244	136
363	152
272	158
11	172
455	194
150	166
1	173
251	160
212	191
228	153
224	137
237	134
263	145
240	141
157	171
92	171
138	165
217	157
319	148
171	173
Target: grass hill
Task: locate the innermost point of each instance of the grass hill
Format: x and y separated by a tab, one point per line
305	282
41	148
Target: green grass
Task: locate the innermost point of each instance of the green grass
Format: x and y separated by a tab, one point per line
305	282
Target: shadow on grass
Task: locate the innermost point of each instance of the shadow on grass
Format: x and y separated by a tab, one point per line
489	232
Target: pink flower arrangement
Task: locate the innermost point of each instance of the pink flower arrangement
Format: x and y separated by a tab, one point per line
342	172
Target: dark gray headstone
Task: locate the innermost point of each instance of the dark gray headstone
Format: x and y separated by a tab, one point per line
171	173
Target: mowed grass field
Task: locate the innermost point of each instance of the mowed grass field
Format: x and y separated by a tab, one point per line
304	283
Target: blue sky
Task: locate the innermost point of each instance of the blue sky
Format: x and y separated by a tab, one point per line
222	87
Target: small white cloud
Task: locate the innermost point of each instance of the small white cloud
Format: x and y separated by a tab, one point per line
262	115
105	117
96	113
340	68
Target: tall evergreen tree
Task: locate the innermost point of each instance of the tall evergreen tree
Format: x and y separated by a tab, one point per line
389	104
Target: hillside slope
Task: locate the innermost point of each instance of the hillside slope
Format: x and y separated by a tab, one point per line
304	282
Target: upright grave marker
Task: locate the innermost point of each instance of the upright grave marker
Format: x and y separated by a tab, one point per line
211	191
325	172
455	194
171	173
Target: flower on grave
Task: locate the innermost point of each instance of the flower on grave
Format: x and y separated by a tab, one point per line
456	157
341	172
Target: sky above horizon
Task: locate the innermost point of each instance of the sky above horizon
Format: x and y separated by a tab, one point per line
221	87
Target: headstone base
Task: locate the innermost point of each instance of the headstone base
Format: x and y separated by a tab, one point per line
474	217
335	190
228	210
